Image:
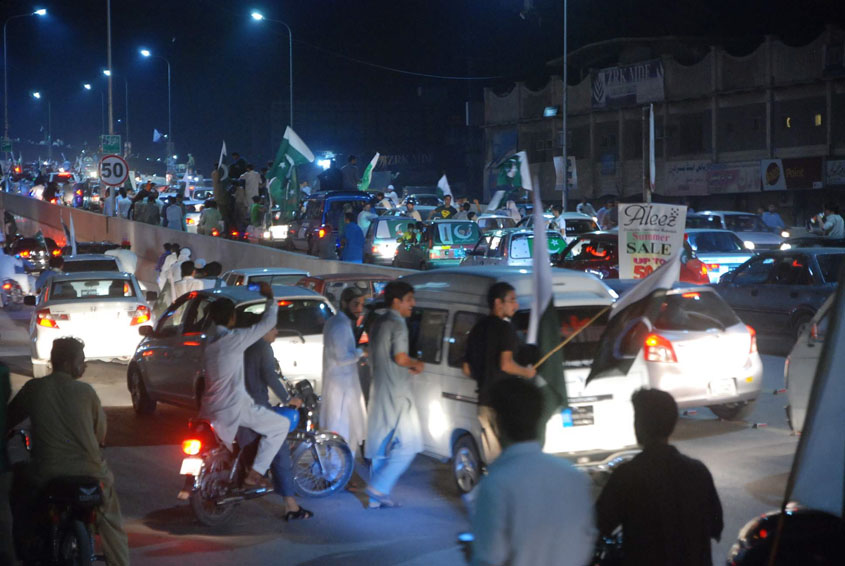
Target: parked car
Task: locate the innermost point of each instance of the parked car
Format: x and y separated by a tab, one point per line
90	247
576	223
103	310
750	227
799	371
489	222
322	209
693	325
443	243
596	429
380	241
271	275
167	365
514	247
333	284
597	253
779	292
721	250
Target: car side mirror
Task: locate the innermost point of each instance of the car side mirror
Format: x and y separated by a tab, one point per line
145	330
29	300
152	296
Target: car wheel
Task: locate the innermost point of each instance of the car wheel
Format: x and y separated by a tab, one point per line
800	325
466	464
141	401
733	411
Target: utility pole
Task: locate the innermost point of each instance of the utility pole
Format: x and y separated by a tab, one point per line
565	196
108	49
646	168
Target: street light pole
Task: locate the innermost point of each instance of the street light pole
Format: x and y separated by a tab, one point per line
258	16
40	12
108	49
564	112
126	106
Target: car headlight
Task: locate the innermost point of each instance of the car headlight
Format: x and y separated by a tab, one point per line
785	246
784	234
267	235
749	245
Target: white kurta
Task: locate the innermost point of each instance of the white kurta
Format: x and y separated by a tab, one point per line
343	410
127	259
165	269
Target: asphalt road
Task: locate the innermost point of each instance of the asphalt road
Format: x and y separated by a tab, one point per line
749	464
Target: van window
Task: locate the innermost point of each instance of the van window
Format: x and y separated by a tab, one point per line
461	326
337	208
314	210
303	315
426	328
582	349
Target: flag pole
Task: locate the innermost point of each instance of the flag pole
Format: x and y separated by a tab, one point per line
570	337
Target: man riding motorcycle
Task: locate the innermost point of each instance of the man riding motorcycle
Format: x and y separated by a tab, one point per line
68	431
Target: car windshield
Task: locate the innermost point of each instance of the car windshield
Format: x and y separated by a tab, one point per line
591	249
447	233
302	315
707	242
91	289
495	223
702	221
581	350
695	311
392	229
279	279
745	223
203	194
522	245
829	265
427	200
580	226
76	266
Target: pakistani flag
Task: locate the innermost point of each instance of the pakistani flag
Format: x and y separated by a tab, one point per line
443	188
367	177
514	172
544	324
631	320
292	152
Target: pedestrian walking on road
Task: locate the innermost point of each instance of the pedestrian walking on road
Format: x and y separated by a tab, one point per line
123	204
151	213
665	502
533	509
353	240
109	203
55	265
394	434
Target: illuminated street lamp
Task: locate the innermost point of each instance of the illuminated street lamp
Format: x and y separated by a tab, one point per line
39	12
87	86
259	17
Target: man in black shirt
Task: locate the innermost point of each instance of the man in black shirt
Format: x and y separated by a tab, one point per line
445	210
666	502
491	347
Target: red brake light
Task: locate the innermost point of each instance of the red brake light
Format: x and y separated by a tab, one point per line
7	286
659	349
24	253
284	303
753	348
191	447
190	221
321	233
48	320
140	316
691	295
56	252
215	232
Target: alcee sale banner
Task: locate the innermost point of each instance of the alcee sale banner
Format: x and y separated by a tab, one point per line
649	234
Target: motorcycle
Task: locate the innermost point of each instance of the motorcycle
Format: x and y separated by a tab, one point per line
11	295
322	462
56	526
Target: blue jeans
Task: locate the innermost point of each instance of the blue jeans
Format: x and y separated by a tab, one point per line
281	466
388	467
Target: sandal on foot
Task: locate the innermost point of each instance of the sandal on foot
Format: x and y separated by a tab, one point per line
301	513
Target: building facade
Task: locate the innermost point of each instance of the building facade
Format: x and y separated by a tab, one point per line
731	132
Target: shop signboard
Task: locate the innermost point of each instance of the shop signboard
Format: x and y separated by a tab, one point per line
791	174
649	235
641	83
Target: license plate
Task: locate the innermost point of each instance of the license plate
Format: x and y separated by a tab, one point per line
191	467
459	252
578	416
723	387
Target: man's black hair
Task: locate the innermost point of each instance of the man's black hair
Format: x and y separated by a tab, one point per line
167	247
655	414
212	269
833	207
498	290
350	216
396	290
221	311
465	206
256	198
174	247
65	351
558	208
187	268
518	405
250	166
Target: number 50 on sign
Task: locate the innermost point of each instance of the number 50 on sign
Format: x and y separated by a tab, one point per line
113	170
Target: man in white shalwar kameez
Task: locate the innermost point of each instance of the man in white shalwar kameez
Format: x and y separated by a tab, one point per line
225	401
343	410
394	434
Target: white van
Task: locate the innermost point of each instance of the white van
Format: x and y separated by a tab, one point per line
595	432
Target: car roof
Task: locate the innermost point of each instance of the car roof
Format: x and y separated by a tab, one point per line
242	294
350	277
811	251
576	215
722	212
493	215
268	271
699	230
396	218
521	230
88	257
451	221
359	195
83	275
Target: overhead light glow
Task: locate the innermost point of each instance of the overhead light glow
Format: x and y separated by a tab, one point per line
145	52
107	72
257	16
36	95
324	163
87	86
40	12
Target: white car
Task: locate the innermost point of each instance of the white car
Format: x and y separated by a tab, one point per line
102	309
271	275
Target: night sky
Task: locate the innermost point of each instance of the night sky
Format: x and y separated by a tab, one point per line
228	69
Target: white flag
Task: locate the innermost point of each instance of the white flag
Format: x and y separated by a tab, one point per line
222	154
443	185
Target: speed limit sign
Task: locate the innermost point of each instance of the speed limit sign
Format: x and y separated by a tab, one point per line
113	170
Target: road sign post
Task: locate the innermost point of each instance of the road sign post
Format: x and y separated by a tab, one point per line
111	144
113	170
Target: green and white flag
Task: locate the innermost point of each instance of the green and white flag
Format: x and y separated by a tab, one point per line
367	177
514	172
443	187
292	152
544	324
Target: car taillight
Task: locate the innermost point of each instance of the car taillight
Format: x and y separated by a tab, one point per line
321	233
140	316
659	349
191	447
56	252
704	271
753	348
215	232
190	221
7	286
375	249
24	253
48	320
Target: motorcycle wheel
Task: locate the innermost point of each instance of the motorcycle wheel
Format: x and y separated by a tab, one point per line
314	479
208	512
75	545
